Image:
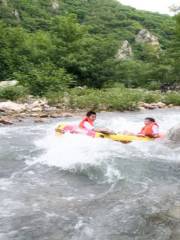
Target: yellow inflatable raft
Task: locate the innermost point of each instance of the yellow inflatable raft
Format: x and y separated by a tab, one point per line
115	137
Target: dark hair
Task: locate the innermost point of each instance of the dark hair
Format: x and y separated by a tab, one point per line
88	114
150	119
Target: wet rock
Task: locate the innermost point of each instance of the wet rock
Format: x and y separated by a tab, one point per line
56	115
170	105
5	121
39	120
49	109
174	134
174	212
141	108
66	114
176	233
43	115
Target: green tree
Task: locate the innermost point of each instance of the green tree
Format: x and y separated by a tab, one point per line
11	50
44	78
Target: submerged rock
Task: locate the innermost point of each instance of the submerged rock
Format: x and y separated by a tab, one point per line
39	120
174	212
174	134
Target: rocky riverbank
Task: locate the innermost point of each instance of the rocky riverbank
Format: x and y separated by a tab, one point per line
39	110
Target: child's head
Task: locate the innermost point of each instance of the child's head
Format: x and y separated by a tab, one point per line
149	120
91	115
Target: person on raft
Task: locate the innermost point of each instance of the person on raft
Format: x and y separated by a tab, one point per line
150	129
88	123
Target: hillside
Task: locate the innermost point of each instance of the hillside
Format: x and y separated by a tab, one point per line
49	45
106	17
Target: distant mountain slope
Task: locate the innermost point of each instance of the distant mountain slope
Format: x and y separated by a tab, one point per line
106	17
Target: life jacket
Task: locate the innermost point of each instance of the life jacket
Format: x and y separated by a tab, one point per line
88	132
147	130
86	119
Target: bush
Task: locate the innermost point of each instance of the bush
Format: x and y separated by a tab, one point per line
172	98
55	97
13	93
107	99
45	78
151	97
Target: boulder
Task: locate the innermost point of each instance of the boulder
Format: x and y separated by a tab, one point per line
144	36
10	106
174	134
66	114
151	105
55	5
43	115
125	51
36	109
161	105
37	105
4	84
175	211
141	108
34	115
56	115
39	120
5	121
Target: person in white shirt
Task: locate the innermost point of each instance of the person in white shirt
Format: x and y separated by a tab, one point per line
88	123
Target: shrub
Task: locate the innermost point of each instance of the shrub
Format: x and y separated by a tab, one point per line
46	78
151	97
172	98
13	93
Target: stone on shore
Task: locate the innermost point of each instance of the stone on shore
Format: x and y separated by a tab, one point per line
150	106
6	121
10	106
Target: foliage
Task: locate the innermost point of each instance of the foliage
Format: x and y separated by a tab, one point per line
107	99
13	93
44	78
74	44
172	98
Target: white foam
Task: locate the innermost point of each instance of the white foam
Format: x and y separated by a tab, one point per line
79	152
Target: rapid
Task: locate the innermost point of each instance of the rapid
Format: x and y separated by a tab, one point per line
75	187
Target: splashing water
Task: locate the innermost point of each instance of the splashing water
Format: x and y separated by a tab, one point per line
76	187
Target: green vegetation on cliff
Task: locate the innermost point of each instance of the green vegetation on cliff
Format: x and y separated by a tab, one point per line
52	45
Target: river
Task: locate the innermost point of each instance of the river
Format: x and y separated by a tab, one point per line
79	188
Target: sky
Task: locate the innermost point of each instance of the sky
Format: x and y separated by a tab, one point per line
161	6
